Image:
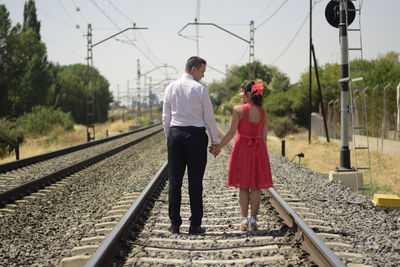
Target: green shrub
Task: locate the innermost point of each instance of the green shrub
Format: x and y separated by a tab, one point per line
10	137
283	126
43	120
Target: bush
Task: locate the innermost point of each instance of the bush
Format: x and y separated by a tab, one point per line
283	126
10	137
43	120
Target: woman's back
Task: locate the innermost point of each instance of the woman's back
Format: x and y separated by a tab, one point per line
252	121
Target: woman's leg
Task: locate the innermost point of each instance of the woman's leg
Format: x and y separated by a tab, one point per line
244	202
244	208
255	197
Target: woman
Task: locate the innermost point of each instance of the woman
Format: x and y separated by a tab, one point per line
249	167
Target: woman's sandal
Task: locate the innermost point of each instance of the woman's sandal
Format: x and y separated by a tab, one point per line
253	227
253	224
244	225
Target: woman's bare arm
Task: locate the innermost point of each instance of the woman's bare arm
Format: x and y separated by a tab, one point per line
265	129
232	130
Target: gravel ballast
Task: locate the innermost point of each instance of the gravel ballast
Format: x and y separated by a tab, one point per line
43	230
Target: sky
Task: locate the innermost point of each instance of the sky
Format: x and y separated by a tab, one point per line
281	36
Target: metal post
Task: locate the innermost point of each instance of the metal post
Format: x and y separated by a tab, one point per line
127	95
330	115
344	84
150	102
310	78
334	116
398	111
90	107
385	127
138	88
320	94
17	152
251	52
283	148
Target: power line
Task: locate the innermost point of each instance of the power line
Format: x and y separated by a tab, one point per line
246	47
265	9
291	41
73	20
295	35
63	47
56	18
105	14
140	35
276	11
80	12
119	11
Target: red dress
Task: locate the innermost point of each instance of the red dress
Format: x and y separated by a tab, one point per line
249	166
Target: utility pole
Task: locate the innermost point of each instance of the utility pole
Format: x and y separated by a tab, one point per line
321	100
138	88
90	106
128	100
150	102
251	52
310	79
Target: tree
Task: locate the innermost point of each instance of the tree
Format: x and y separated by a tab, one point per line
71	89
221	92
28	77
30	18
5	26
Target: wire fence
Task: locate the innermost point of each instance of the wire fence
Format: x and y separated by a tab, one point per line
382	109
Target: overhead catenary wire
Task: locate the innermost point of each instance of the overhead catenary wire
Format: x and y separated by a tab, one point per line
265	9
291	41
69	15
295	35
273	14
78	9
119	28
140	35
57	18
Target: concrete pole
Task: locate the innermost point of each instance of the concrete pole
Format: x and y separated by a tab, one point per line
344	84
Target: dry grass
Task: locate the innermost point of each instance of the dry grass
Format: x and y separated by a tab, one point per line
59	139
323	157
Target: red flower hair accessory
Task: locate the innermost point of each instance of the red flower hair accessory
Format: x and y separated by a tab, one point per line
257	88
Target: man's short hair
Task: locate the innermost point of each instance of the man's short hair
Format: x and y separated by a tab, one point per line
194	62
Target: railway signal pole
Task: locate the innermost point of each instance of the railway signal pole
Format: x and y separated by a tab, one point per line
344	86
345	174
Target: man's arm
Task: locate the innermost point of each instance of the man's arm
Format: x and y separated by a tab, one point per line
209	118
166	116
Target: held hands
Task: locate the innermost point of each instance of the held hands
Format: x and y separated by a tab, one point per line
214	149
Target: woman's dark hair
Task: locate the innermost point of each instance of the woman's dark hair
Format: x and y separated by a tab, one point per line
246	87
194	62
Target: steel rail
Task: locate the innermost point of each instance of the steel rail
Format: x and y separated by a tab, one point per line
34	159
104	255
321	254
17	192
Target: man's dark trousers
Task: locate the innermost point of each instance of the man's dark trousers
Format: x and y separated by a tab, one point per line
187	146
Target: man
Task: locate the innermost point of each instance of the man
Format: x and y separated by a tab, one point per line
187	112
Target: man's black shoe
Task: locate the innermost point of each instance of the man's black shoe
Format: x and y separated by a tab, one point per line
174	229
196	230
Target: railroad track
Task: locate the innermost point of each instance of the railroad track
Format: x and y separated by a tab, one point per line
43	170
5	167
139	235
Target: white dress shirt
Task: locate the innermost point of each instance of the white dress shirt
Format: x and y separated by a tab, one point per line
187	103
